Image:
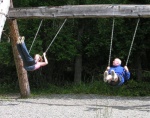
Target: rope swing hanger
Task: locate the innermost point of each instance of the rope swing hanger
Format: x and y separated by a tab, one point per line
112	33
36	35
131	42
53	38
56	35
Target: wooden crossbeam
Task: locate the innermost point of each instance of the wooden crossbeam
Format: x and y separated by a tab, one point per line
81	11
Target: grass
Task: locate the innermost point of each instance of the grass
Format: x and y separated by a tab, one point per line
131	88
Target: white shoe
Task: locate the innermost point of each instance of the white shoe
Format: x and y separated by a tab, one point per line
105	76
22	39
18	40
114	75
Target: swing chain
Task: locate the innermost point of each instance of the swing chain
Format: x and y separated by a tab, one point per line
56	35
111	41
132	40
35	35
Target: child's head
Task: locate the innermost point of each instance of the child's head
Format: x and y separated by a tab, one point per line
38	58
116	62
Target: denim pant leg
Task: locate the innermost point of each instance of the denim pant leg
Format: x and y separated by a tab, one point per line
25	52
20	52
121	78
27	59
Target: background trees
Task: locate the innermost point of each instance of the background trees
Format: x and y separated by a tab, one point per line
80	52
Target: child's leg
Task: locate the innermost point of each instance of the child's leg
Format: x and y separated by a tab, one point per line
105	76
26	61
109	78
114	75
25	52
120	79
20	52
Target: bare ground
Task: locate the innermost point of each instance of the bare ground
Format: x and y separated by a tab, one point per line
75	106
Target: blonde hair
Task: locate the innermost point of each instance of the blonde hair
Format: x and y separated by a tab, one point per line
40	57
119	61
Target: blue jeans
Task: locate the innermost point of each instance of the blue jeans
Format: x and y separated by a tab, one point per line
28	61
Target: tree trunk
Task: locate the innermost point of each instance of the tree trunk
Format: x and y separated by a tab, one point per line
4	7
22	73
78	59
78	69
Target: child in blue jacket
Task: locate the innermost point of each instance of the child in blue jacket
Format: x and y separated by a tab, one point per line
116	75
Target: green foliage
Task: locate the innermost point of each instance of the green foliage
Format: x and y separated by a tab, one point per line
7	89
93	45
131	88
64	46
6	55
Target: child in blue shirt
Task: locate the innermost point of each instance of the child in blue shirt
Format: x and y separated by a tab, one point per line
116	75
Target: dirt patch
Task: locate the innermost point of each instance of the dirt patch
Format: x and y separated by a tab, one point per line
75	106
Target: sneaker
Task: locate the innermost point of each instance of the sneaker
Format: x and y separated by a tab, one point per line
114	75
22	39
18	40
105	76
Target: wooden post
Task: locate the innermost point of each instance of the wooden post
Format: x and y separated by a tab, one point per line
22	73
4	7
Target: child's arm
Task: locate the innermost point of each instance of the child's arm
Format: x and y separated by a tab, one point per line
126	68
45	59
127	73
107	69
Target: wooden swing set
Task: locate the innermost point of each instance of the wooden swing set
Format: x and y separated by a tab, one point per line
8	12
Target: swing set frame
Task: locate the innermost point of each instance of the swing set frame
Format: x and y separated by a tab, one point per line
63	12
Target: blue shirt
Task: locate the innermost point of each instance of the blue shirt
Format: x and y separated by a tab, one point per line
121	72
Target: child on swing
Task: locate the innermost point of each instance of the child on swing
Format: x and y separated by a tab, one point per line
116	75
29	63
